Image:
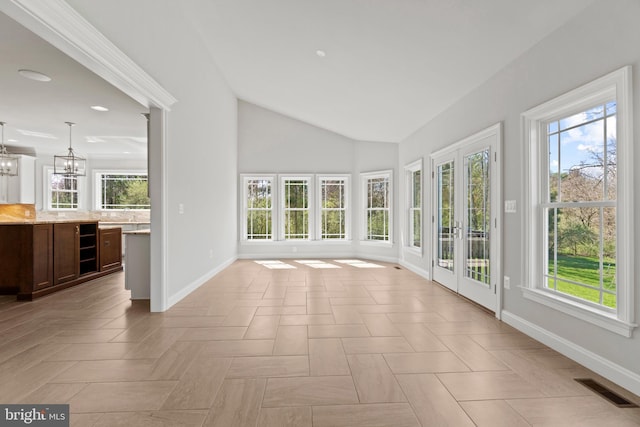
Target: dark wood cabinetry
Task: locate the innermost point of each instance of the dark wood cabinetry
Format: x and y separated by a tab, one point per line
110	248
65	252
27	257
41	258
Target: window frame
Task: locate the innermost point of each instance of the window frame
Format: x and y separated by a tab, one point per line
365	178
347	205
98	187
614	86
410	170
245	178
47	193
282	214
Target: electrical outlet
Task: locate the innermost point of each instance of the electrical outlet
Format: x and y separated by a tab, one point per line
180	208
507	282
211	253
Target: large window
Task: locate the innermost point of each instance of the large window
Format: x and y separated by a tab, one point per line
63	191
258	211
120	190
295	208
414	204
580	202
298	210
333	192
377	206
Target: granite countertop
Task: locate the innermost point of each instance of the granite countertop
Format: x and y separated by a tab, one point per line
50	221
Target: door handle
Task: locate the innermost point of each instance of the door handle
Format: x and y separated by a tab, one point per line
457	230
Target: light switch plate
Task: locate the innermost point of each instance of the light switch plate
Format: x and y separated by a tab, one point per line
510	206
507	282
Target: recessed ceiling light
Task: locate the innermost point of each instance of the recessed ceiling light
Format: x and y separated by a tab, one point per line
321	53
99	108
34	75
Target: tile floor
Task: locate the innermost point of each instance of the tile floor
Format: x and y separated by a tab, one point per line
298	347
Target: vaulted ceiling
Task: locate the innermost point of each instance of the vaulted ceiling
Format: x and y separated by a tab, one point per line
390	65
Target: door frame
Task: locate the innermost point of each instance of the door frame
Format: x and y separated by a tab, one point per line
496	131
62	26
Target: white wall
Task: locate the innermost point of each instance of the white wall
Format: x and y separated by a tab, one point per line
269	142
202	132
603	38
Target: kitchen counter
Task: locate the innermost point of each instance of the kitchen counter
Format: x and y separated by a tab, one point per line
146	231
50	221
41	257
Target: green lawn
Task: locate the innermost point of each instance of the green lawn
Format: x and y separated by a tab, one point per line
586	270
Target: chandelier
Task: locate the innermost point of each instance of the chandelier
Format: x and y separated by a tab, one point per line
8	163
69	164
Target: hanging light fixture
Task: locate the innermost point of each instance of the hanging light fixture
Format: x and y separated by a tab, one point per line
70	164
8	163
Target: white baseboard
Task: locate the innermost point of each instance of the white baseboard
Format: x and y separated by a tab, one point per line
289	255
173	299
608	369
419	271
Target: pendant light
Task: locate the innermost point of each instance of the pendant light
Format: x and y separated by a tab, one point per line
8	163
70	164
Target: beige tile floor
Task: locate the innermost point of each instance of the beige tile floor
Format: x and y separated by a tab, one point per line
290	347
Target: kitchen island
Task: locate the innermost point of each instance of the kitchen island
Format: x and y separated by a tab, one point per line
41	257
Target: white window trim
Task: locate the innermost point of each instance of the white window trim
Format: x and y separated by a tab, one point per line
46	193
347	206
97	186
364	177
410	169
616	85
310	207
244	178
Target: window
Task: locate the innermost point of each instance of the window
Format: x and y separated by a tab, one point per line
414	204
580	203
63	191
377	206
258	212
333	192
121	190
295	208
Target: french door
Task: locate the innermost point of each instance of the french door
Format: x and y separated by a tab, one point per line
465	217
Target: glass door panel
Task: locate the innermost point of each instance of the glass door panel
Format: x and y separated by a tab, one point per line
477	217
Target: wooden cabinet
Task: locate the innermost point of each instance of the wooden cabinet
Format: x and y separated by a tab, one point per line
41	258
65	252
110	248
27	255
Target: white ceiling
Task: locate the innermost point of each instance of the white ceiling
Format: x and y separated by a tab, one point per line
30	107
391	65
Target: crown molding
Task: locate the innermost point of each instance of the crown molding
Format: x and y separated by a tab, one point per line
61	25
